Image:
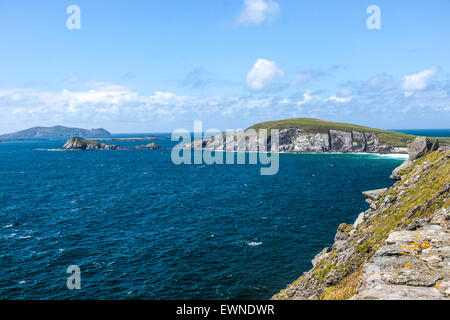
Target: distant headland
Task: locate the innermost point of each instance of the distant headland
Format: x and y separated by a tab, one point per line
56	132
307	135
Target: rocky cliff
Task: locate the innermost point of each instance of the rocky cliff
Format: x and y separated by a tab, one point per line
399	248
299	140
77	143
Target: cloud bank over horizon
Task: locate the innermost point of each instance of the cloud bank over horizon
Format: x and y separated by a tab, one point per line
378	100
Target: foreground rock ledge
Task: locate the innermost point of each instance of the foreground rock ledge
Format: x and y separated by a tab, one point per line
397	249
77	143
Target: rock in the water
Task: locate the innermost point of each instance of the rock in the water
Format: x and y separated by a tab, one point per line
149	146
77	143
152	146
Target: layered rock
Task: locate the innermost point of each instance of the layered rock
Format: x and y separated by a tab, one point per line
411	264
421	146
399	248
77	143
298	140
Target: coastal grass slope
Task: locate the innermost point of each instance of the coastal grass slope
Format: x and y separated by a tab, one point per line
419	199
397	139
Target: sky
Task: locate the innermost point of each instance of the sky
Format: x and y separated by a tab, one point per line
159	65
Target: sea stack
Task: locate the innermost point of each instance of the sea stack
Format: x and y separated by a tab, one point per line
77	143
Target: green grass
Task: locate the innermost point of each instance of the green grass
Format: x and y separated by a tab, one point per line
424	196
315	125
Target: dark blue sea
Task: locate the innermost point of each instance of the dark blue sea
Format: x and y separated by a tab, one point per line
140	227
427	132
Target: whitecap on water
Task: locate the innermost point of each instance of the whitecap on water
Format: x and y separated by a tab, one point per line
49	150
394	156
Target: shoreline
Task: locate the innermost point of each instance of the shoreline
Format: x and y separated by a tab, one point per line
382	155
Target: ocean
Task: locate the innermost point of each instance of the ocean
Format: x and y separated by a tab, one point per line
140	227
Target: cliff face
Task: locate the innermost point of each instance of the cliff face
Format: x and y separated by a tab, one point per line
297	140
397	249
77	143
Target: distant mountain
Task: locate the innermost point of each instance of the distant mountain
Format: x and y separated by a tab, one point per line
55	133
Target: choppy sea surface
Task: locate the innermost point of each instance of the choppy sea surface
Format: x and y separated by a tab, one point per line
140	227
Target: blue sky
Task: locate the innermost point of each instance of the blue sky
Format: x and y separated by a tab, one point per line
158	65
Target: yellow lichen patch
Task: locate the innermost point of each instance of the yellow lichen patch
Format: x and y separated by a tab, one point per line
426	245
408	265
413	246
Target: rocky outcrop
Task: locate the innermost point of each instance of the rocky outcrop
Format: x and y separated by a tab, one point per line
421	146
77	143
298	140
399	248
150	146
411	264
397	173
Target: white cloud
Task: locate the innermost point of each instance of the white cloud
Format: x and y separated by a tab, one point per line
311	99
263	74
258	11
114	106
418	81
308	98
335	98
